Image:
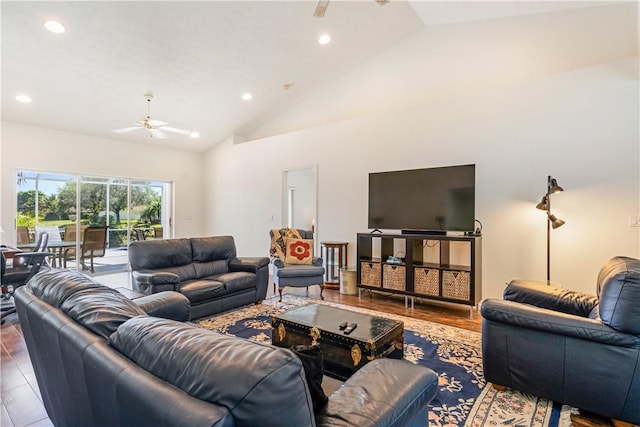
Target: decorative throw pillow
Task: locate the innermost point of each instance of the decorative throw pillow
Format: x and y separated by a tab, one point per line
278	246
299	251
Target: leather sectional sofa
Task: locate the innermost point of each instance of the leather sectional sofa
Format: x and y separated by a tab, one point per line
205	269
101	359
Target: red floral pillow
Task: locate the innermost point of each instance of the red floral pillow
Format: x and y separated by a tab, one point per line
299	251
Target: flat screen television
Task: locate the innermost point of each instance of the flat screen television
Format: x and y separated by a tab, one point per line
423	200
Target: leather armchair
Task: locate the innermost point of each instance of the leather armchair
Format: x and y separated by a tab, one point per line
573	348
296	275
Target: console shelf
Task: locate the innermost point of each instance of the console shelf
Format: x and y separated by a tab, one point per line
437	267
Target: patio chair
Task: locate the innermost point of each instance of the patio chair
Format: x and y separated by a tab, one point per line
22	237
51	230
70	232
94	244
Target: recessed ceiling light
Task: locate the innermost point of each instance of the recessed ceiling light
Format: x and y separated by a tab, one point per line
194	135
247	96
54	27
324	39
25	99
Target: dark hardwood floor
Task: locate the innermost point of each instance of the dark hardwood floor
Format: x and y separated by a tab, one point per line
21	404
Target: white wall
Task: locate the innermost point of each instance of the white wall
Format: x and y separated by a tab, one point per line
33	148
579	124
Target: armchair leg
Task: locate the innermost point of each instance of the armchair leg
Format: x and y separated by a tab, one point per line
499	387
321	290
280	291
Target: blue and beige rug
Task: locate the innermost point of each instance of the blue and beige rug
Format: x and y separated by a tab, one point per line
455	354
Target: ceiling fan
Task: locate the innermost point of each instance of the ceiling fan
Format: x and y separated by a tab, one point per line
322	6
156	128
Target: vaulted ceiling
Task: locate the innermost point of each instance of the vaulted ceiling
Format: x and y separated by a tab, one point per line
198	59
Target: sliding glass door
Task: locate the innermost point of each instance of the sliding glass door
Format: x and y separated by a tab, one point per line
121	209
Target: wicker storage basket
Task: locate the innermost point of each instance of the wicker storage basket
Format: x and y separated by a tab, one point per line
394	277
370	273
456	284
426	281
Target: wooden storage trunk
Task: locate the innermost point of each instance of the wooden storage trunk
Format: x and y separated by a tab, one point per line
375	337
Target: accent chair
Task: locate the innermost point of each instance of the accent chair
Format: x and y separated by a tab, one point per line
293	261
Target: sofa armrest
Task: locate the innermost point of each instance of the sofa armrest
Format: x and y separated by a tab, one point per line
392	391
278	262
554	322
248	264
166	304
317	261
150	282
539	294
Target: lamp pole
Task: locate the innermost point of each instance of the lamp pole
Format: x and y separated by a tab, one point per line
548	228
552	221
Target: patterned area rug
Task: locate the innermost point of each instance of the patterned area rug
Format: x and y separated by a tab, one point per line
455	354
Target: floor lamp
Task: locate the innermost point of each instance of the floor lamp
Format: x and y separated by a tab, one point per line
552	221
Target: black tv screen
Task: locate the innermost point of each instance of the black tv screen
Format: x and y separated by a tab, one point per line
433	199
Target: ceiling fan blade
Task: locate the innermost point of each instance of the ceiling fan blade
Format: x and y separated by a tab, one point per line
321	8
175	130
125	130
158	134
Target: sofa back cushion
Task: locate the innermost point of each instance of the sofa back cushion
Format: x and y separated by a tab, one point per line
171	255
211	255
96	307
258	384
155	254
619	294
55	286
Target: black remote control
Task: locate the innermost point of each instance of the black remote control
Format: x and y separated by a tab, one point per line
350	328
342	325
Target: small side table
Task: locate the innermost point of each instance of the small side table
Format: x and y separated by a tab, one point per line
334	255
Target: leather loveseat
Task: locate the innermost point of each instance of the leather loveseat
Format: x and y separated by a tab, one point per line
573	348
205	269
103	360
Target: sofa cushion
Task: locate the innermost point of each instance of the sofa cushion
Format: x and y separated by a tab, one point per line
202	290
101	310
205	364
213	248
55	286
237	281
95	306
300	271
159	254
619	294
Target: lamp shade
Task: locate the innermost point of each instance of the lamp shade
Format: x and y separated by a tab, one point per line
555	222
544	203
554	187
